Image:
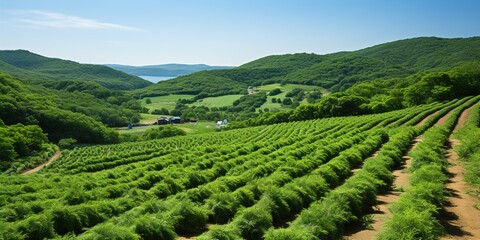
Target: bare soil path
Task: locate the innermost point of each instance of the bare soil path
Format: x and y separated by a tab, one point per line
425	119
55	156
442	120
381	212
460	218
463	118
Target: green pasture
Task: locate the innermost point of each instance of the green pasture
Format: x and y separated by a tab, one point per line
189	128
221	101
290	87
167	102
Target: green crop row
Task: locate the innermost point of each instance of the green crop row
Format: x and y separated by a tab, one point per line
469	149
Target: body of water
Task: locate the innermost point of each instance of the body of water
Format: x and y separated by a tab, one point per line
155	79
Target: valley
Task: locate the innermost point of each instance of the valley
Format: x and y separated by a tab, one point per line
378	143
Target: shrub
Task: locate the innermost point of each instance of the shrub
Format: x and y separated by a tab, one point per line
288	234
37	227
151	228
109	231
411	224
253	222
274	92
221	232
222	207
162	132
67	143
245	196
64	221
189	218
428	173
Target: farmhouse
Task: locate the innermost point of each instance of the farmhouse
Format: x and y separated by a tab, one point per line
250	90
175	119
221	124
162	120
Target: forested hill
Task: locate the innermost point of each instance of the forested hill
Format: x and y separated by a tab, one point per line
39	69
336	72
165	70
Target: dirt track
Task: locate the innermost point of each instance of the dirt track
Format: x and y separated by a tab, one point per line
55	156
460	218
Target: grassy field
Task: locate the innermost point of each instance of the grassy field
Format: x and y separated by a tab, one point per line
290	87
221	101
189	128
167	102
273	106
148	118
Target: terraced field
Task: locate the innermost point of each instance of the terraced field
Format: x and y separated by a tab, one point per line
300	180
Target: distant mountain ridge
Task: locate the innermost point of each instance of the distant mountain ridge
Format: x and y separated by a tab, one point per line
165	70
33	67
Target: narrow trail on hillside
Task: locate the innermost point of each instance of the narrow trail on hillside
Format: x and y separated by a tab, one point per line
381	213
55	156
460	218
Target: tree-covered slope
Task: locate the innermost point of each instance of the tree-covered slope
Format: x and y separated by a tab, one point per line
336	71
26	65
34	105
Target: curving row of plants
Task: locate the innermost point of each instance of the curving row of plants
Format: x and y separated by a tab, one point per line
469	149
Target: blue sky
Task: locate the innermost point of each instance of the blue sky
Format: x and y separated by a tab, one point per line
228	32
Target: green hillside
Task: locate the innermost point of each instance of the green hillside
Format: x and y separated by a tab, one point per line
32	105
336	71
39	69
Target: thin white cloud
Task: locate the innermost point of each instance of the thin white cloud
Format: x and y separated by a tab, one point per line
58	20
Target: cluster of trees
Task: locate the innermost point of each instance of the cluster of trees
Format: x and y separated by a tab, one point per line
296	96
163	132
20	104
20	145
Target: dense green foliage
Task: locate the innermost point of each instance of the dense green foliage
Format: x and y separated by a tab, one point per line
336	72
22	147
38	69
162	132
21	103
